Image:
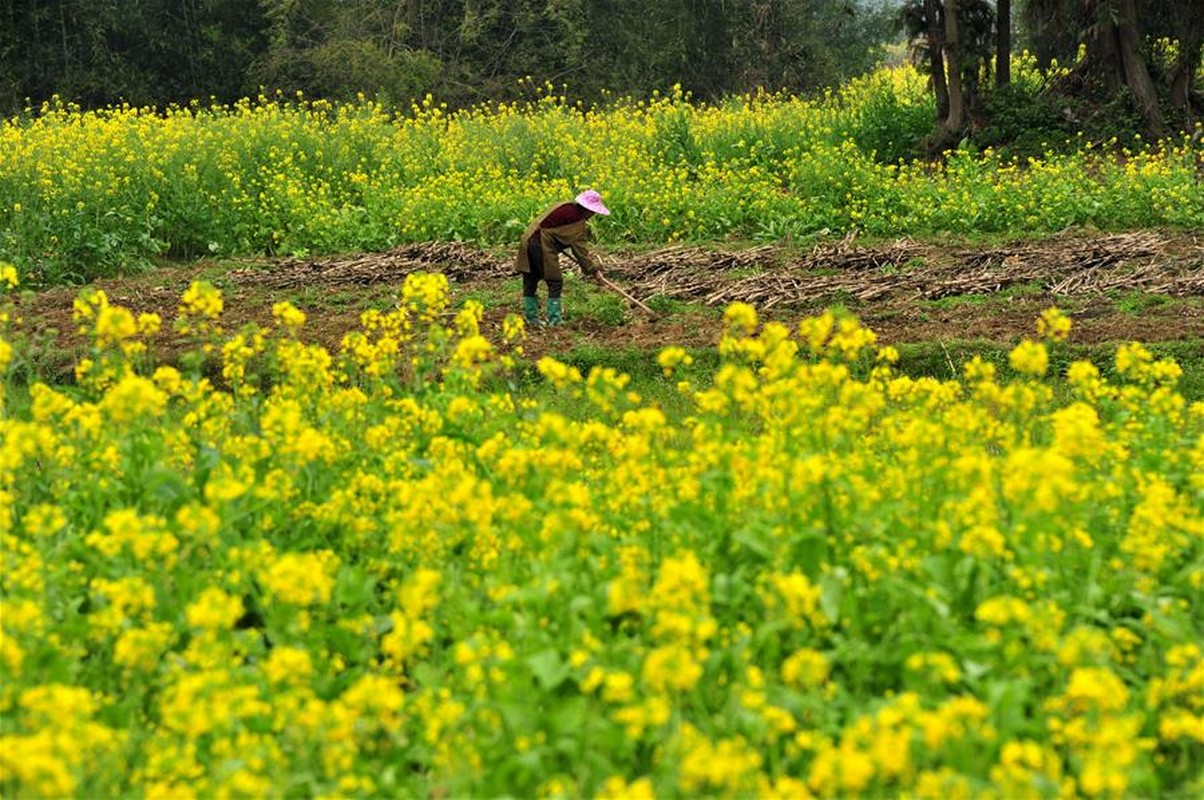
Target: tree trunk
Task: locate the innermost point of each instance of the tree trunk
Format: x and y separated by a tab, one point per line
63	37
936	64
1102	60
1183	78
1114	58
1137	75
1003	42
953	55
1189	30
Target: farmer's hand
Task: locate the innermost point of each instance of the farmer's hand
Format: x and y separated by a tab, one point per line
598	277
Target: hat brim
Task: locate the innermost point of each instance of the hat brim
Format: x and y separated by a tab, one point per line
596	207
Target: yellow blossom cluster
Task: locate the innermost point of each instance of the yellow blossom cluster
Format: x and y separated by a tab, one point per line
387	571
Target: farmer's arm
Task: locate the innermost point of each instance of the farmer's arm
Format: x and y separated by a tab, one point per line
575	238
587	260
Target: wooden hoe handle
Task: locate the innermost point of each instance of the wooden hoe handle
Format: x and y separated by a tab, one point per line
616	288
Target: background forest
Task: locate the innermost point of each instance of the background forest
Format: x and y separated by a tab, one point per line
462	51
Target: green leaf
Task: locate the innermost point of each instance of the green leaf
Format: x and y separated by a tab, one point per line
550	670
975	669
1006	700
754	542
581	603
939	568
810	551
831	595
354	588
165	486
569	718
518	717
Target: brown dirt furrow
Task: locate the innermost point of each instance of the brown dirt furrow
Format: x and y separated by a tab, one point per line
1147	286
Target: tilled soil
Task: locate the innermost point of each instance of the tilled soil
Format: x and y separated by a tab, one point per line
770	276
1146	286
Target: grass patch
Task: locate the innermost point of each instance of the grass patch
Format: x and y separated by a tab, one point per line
910	265
647	377
640	363
940	360
316	299
944	360
607	309
1028	289
1135	301
664	304
504	295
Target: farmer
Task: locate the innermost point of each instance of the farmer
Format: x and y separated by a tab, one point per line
562	227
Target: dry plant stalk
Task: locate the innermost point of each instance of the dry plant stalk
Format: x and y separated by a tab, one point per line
1061	265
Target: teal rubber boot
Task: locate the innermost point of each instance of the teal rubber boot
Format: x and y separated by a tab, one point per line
554	313
531	310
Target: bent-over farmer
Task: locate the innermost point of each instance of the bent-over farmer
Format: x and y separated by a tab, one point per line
562	227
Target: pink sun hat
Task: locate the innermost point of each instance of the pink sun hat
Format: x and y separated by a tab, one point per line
593	201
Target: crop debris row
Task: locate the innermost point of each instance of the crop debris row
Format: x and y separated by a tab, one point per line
766	277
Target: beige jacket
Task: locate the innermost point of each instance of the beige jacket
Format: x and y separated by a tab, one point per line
554	241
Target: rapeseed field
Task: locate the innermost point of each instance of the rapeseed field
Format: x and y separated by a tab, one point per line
278	571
